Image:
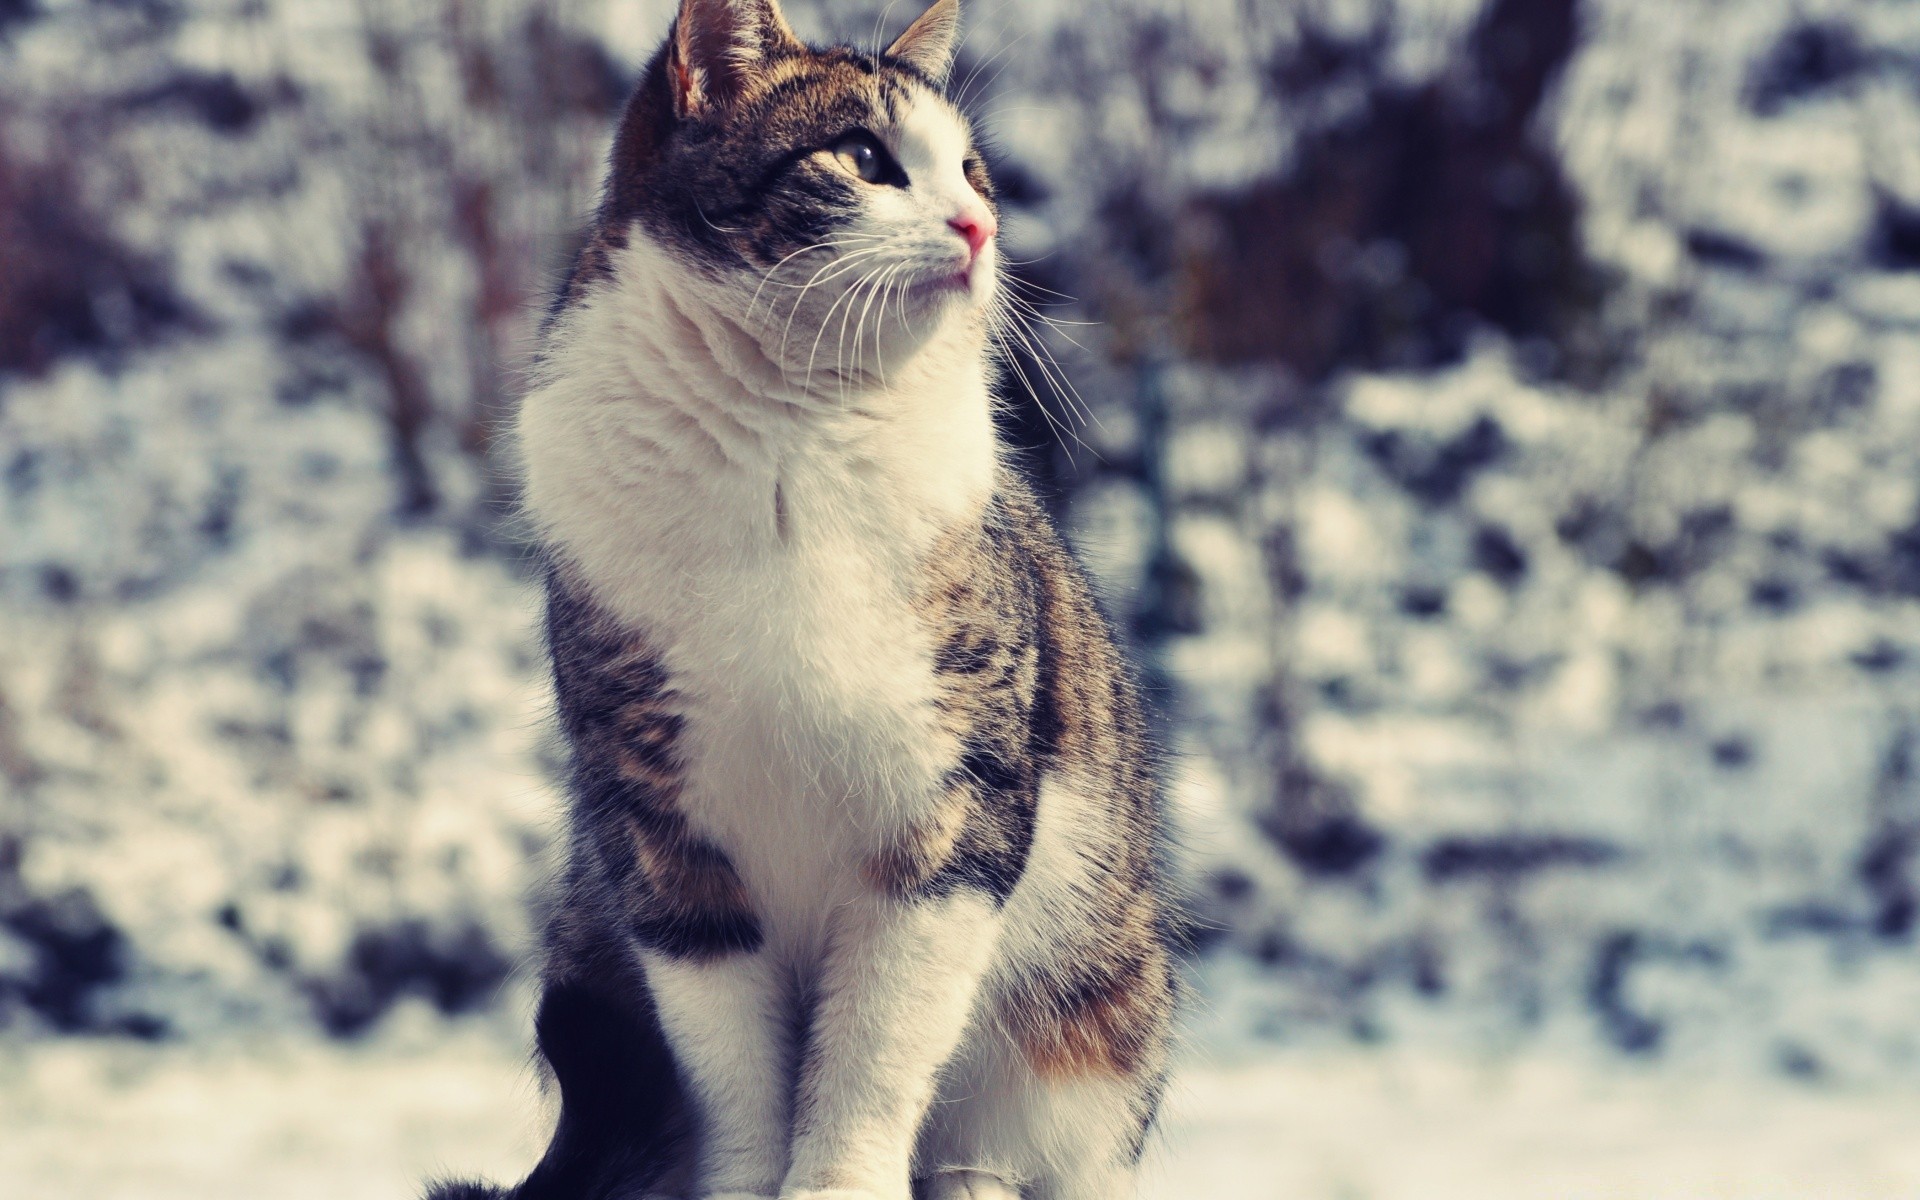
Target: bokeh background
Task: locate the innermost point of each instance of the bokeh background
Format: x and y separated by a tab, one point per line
1496	423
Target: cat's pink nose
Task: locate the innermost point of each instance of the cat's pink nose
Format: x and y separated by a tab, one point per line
977	227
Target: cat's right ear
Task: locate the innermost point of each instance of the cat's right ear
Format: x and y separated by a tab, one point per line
717	46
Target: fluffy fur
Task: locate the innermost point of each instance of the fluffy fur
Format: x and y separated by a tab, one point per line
865	885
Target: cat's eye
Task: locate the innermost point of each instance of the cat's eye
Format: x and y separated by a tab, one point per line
862	153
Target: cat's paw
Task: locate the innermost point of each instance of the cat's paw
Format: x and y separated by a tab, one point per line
970	1185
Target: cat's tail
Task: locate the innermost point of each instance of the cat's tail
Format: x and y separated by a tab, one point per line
623	1125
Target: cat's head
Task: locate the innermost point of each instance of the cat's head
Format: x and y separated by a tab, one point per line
822	192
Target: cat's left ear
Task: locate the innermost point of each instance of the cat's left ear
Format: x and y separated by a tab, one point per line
717	47
929	43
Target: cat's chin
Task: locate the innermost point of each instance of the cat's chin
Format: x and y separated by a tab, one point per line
937	292
937	287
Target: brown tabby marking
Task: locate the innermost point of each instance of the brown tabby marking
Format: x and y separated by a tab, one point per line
980	609
1032	684
1105	1001
639	860
1107	1015
689	875
907	866
1112	1027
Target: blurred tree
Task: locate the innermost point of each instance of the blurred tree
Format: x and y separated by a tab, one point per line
1398	228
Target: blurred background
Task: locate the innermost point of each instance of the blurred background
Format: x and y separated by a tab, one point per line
1496	423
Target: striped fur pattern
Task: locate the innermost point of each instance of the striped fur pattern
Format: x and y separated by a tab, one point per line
866	887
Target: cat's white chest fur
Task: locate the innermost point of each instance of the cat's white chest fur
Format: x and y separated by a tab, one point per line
769	544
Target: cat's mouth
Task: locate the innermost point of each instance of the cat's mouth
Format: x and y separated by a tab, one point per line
958	282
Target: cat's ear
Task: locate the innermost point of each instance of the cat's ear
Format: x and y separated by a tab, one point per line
930	42
718	45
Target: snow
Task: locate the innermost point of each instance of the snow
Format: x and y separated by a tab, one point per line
302	1119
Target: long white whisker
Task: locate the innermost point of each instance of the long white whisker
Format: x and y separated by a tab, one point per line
963	93
997	72
880	325
1058	326
879	21
1031	286
899	282
901	307
840	338
845	373
813	354
860	330
846	260
1012	337
709	221
1044	361
1012	360
1049	365
827	245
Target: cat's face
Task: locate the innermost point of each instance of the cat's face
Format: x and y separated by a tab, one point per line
834	197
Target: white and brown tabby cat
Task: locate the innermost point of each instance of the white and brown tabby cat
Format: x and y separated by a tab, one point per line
866	880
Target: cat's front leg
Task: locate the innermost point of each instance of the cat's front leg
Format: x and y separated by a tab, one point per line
726	1020
893	1000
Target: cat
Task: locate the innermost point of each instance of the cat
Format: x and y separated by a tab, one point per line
867	890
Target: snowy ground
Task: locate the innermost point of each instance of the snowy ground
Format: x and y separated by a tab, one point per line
293	1120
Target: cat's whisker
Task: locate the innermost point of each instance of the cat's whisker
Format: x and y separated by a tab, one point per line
806	384
857	369
860	331
1037	295
852	239
1054	323
1012	361
1004	348
1031	309
830	274
711	225
1031	286
880	328
800	291
997	118
963	94
1061	327
1013	337
987	87
840	341
900	307
844	260
1061	323
898	293
1049	366
1028	310
793	311
879	23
